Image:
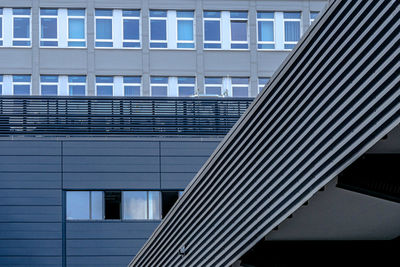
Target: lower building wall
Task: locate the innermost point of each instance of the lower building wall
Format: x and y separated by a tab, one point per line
34	176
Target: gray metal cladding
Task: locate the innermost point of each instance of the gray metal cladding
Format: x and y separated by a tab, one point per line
336	95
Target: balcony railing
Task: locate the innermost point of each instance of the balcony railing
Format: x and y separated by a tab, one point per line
60	116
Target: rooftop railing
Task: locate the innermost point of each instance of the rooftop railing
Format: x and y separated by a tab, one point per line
60	116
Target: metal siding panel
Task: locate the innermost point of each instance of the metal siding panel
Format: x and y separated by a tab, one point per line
30	197
182	164
106	261
30	230
104	247
30	261
110	148
30	163
176	180
30	247
198	148
30	180
29	148
30	214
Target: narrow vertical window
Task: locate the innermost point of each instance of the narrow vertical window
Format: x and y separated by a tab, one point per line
112	205
1	84
238	25
77	85
313	16
1	27
158	29
185	20
159	86
132	85
104	85
131	28
240	87
104	34
169	198
48	85
261	83
78	205
48	27
265	32
154	202
213	86
96	205
292	29
186	86
212	29
76	28
135	205
22	84
21	26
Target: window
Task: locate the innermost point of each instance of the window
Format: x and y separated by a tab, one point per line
158	29
76	28
169	198
48	27
104	25
141	205
21	19
213	86
292	29
48	85
1	84
131	28
112	205
159	86
104	85
77	85
218	22
132	85
186	86
185	22
265	33
261	83
22	84
84	205
240	87
313	16
1	27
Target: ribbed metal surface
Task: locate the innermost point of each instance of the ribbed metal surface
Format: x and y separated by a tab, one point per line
335	96
123	116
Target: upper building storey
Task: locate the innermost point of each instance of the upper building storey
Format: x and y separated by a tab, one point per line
181	38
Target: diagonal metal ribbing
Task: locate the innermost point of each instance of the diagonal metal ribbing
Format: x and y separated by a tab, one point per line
334	97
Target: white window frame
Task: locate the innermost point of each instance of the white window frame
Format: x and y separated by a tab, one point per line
85	27
220	85
220	30
159	84
2	26
112	40
284	30
140	30
106	84
50	83
58	29
166	30
1	84
274	29
247	31
177	33
12	28
240	85
76	83
133	84
21	83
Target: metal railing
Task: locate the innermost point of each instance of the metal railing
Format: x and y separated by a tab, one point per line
39	115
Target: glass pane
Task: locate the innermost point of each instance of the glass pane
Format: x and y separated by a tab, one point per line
158	30
289	46
132	79
213	80
135	205
213	90
1	11
313	15
97	205
103	90
184	14
185	45
292	31
158	13
1	89
240	91
47	11
185	30
266	31
154	205
266	46
212	14
186	80
49	78
76	12
186	90
159	91
21	11
291	15
104	79
49	28
159	79
77	90
77	79
239	30
132	90
103	29
21	28
49	89
211	31
104	12
22	89
76	29
239	14
21	78
265	15
240	80
131	29
1	78
131	13
263	81
1	27
78	205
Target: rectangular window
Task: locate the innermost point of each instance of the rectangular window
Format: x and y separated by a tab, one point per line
104	25
158	29
21	20
76	28
159	86
77	85
131	28
313	16
48	27
240	87
186	86
169	198
1	27
1	84
213	86
132	85
48	85
135	205
238	25
212	29
22	84
104	85
112	204
291	22
265	32
185	22
261	83
84	205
